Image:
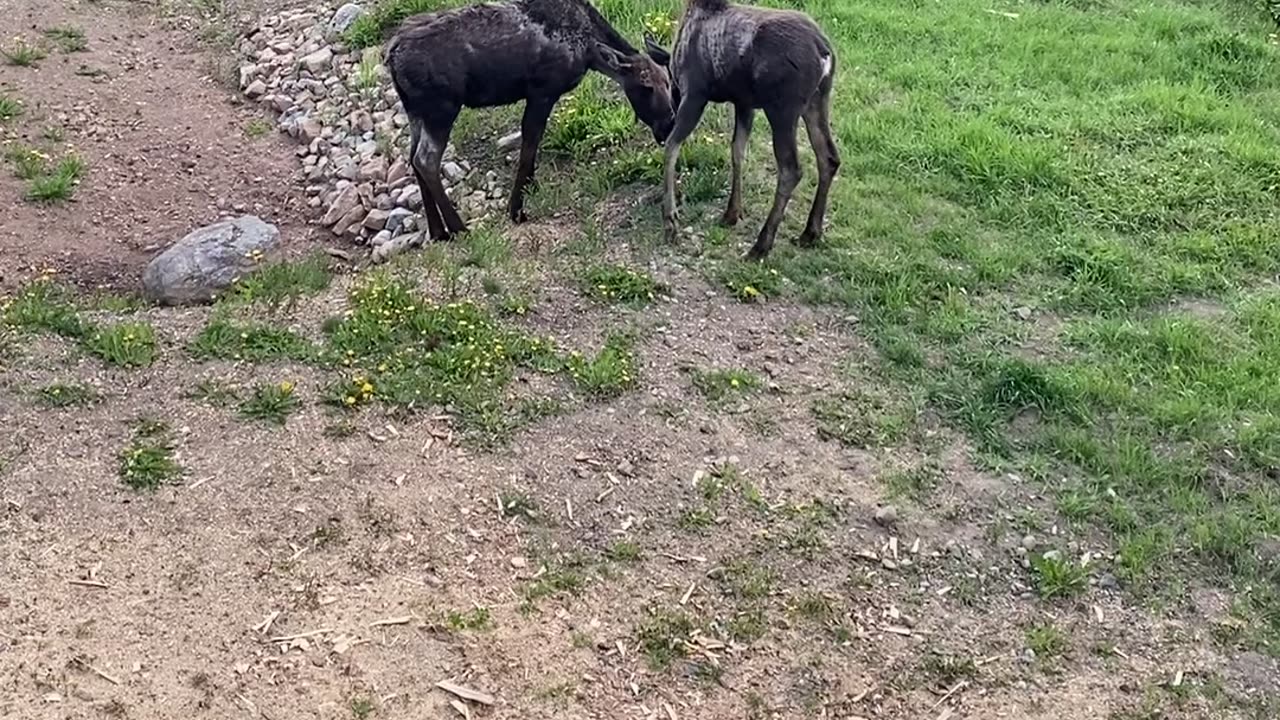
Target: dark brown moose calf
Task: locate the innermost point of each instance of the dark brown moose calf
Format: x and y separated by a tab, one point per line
778	61
499	54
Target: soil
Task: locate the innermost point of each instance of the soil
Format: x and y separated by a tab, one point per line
295	573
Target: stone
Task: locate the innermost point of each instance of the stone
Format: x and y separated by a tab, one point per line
256	89
318	61
887	515
376	219
410	197
395	246
348	197
281	103
506	142
374	169
398	171
350	220
396	218
208	260
347	170
453	172
379	239
344	18
309	130
248	73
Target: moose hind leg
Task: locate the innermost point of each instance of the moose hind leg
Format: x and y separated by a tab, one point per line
743	119
435	225
427	157
817	121
784	124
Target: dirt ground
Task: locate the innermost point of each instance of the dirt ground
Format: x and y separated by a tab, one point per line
294	574
147	106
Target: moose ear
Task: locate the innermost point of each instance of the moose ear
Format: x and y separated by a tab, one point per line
660	56
610	60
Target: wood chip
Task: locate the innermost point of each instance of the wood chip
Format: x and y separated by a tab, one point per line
99	672
199	482
1177	680
299	636
671	713
688	593
265	625
1001	13
946	713
462	708
89	583
465	693
607	492
402	620
568	506
958	687
897	630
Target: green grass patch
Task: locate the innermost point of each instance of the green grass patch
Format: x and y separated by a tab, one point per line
609	373
721	385
128	344
663	635
271	403
1057	577
68	38
380	20
44	306
860	419
23	53
223	339
1046	641
65	395
283	282
473	620
616	284
750	282
56	185
257	128
147	462
10	107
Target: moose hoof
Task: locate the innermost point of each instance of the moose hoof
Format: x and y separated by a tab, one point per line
730	218
808	239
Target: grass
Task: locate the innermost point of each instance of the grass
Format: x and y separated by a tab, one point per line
65	395
1057	577
257	128
22	53
224	339
372	27
475	619
721	385
662	635
283	282
68	38
609	373
1046	641
616	284
56	185
127	345
271	404
147	462
862	419
10	107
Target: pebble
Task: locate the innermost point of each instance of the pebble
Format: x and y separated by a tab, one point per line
887	515
519	563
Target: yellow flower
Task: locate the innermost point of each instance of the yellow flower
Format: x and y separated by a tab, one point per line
734	382
366	388
286	387
750	291
350	400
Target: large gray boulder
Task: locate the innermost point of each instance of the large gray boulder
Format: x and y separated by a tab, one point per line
207	261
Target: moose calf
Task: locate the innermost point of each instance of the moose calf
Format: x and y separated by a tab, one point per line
756	58
498	54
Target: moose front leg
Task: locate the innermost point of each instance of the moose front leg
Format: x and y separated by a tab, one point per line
743	119
687	117
536	114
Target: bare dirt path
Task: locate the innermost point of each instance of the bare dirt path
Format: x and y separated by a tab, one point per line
146	106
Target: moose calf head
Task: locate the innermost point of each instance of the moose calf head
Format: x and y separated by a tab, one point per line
647	86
